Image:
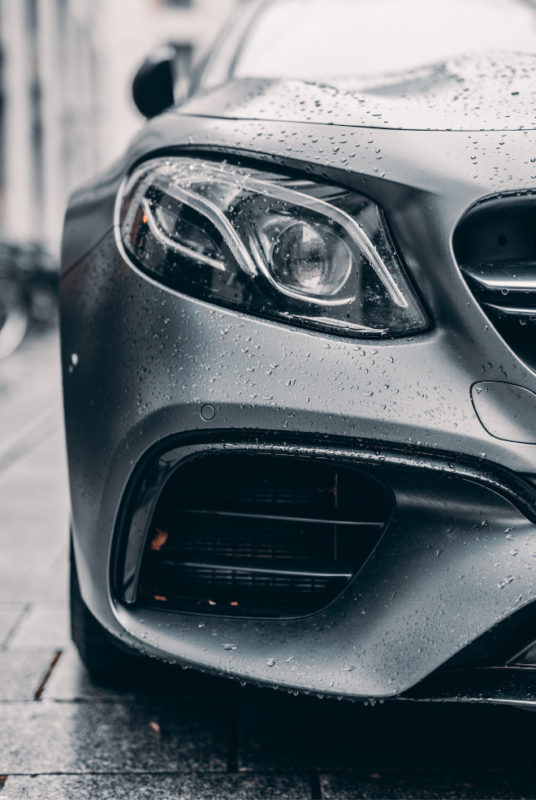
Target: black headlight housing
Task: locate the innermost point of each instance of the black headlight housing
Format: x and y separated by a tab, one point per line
283	248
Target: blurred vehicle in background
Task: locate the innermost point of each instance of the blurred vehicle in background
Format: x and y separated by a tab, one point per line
28	292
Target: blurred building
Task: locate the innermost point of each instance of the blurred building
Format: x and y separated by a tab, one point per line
65	104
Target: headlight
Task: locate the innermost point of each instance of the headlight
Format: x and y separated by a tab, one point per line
288	249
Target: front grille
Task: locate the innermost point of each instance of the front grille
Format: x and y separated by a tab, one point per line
253	535
495	245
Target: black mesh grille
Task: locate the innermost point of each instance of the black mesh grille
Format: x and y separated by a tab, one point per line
495	245
259	535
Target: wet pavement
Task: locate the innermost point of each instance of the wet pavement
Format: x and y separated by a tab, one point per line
181	734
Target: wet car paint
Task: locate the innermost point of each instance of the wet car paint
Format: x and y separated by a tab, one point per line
141	362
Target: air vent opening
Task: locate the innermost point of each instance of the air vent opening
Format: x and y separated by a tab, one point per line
259	535
495	246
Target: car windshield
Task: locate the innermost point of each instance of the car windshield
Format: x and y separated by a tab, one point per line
322	39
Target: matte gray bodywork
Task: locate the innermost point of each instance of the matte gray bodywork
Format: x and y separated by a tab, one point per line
140	361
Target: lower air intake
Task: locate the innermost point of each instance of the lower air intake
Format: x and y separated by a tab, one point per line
267	536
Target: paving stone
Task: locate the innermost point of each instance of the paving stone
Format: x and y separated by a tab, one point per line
28	584
43	625
430	785
33	465
34	525
35	364
70	682
21	672
54	585
18	481
156	787
99	737
19	584
10	615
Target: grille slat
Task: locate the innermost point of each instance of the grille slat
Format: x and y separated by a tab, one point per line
495	245
503	282
280	518
304	569
259	536
510	313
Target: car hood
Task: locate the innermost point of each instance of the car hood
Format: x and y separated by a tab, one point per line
485	92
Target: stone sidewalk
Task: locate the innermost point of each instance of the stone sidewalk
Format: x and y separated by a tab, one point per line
184	735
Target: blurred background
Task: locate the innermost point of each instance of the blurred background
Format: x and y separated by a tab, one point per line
65	97
66	111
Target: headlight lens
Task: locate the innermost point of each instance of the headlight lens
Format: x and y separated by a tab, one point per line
310	259
288	249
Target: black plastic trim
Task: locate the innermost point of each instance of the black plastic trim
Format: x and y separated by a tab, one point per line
155	468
